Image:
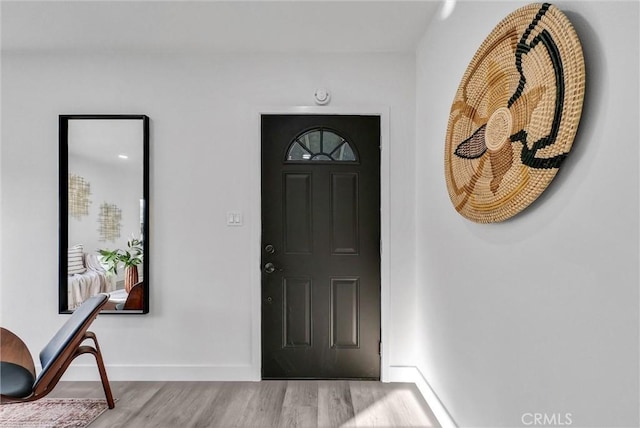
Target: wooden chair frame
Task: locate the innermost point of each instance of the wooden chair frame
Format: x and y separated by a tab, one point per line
14	350
135	299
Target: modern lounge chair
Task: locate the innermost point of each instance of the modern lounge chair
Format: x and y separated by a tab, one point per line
18	382
135	299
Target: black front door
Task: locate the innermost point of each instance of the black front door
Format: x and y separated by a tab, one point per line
320	246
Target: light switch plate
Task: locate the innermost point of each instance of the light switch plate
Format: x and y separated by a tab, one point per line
234	218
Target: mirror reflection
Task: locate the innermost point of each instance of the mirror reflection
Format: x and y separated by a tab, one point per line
104	242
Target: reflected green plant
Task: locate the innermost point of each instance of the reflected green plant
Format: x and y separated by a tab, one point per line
132	256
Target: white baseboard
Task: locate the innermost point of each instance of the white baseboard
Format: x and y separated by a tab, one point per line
85	372
414	375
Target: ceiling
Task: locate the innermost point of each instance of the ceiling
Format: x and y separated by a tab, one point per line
214	26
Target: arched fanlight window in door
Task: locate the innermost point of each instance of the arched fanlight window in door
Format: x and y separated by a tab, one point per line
321	145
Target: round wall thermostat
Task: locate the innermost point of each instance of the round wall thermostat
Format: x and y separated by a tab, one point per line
322	96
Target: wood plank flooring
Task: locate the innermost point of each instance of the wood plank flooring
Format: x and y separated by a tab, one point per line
266	404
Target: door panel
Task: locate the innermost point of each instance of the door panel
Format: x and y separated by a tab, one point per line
344	213
345	307
321	246
298	214
296	301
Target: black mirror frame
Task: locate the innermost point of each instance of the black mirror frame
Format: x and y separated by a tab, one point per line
63	164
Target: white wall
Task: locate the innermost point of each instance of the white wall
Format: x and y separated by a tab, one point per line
538	314
202	110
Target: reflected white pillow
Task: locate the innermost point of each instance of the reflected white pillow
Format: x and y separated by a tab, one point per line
75	260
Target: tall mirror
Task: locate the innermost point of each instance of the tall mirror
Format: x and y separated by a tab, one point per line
104	220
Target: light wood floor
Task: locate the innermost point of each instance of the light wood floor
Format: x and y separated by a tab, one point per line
263	404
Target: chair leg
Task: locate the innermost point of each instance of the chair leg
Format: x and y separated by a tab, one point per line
101	369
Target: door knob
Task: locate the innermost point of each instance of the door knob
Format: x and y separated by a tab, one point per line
270	268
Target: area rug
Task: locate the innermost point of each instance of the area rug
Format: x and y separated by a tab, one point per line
52	413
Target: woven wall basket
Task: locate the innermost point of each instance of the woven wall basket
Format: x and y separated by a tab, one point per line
515	114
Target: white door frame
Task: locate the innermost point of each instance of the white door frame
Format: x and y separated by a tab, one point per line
256	225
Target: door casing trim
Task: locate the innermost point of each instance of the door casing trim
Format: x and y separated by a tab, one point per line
255	224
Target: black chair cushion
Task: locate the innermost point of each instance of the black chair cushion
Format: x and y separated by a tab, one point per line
70	328
15	380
